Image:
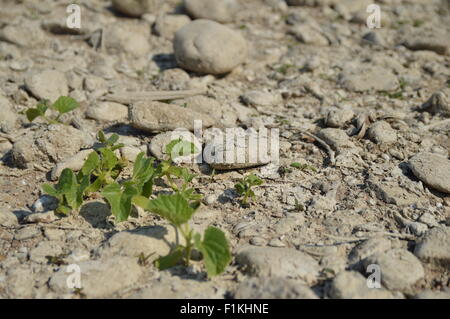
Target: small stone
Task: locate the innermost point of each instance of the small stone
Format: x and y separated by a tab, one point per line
47	84
437	104
217	10
257	241
159	142
44	249
8	116
100	278
75	163
133	8
129	38
7	218
432	39
54	234
156	117
131	153
432	169
173	80
309	35
434	246
51	143
246	149
352	285
108	112
44	203
428	219
19	282
399	268
27	233
27	35
273	288
381	132
278	262
367	78
374	38
336	138
46	217
168	24
206	46
392	193
339	117
258	98
369	247
147	240
276	242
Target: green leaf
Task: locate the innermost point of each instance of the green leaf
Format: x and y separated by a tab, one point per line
32	114
109	158
101	137
112	139
65	104
120	201
171	259
63	209
175	208
215	250
66	181
254	180
91	163
47	188
240	188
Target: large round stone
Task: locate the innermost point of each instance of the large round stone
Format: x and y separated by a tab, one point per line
206	46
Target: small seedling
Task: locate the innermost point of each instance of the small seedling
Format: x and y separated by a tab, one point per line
62	105
69	191
244	187
178	211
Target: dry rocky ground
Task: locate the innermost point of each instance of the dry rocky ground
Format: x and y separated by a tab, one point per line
369	109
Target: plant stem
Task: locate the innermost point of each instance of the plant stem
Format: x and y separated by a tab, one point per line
187	234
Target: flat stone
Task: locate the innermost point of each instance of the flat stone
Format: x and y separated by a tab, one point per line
217	10
381	132
434	246
47	84
108	112
352	285
368	78
432	169
160	117
278	262
133	8
168	24
7	218
44	249
99	278
156	240
399	268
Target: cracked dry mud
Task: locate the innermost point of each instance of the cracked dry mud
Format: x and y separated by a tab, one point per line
367	108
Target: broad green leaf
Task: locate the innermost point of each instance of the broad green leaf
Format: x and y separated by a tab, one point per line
66	181
47	188
65	104
109	159
138	164
240	188
120	201
254	180
91	163
94	187
32	114
112	139
113	194
171	259
215	250
175	208
42	106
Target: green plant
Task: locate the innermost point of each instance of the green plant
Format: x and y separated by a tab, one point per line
244	187
69	191
62	105
100	173
178	211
